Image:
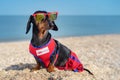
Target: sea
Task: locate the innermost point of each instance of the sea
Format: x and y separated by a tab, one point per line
13	27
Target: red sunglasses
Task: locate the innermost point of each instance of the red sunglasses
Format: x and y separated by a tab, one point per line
40	16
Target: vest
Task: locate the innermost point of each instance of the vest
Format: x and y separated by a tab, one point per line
44	53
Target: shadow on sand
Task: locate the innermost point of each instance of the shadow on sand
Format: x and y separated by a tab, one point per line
20	66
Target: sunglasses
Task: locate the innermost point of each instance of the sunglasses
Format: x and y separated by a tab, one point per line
41	16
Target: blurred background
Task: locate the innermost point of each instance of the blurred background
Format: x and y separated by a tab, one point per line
75	18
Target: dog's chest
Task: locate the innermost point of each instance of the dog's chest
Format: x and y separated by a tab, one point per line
43	52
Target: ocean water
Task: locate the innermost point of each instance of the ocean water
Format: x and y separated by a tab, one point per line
14	27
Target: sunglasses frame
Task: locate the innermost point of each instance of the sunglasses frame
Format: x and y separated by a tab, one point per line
46	14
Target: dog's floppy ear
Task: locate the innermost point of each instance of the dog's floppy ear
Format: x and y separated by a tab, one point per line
29	24
55	28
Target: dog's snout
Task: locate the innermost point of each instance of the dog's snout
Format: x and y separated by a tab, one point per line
49	23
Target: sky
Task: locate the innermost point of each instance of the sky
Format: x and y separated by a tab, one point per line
64	7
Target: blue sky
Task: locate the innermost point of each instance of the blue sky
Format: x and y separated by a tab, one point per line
64	7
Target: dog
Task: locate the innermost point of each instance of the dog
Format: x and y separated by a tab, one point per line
48	52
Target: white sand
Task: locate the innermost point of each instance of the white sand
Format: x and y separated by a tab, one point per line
100	54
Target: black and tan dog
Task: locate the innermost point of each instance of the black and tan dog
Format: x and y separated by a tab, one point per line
48	52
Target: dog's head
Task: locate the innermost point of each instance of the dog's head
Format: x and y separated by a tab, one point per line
42	20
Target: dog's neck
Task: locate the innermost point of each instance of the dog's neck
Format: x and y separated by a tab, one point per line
42	34
41	38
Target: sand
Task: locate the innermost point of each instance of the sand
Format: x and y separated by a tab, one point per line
100	54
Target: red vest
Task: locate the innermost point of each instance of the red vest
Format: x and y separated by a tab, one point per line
43	52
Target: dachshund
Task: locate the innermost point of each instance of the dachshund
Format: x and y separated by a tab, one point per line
48	52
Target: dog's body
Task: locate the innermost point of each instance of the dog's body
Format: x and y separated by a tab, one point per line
51	51
48	52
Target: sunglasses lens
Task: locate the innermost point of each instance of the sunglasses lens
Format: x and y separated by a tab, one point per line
40	17
53	16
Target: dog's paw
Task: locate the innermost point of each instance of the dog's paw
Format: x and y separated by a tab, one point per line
35	69
50	68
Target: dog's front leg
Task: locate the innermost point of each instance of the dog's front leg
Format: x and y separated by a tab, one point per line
51	65
38	65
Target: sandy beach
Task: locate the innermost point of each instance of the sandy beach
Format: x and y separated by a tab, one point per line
100	54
